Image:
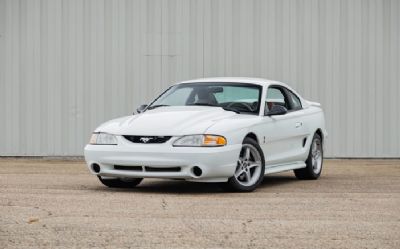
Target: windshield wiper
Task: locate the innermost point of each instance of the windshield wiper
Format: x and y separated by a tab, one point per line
155	106
203	104
230	109
225	108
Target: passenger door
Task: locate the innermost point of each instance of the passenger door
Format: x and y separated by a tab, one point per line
284	134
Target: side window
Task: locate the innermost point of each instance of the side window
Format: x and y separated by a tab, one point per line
295	101
276	96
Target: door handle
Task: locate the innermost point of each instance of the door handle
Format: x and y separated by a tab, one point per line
298	124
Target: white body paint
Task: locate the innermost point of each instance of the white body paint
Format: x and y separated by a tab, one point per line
285	139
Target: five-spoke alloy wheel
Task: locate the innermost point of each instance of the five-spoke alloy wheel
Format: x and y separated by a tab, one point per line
250	167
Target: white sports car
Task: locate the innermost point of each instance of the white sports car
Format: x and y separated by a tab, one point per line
228	130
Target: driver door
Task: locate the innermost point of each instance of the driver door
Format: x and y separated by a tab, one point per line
283	134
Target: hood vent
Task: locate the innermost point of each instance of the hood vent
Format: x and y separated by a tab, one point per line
147	139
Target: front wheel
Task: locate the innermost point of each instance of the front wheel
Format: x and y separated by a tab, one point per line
250	168
314	161
120	182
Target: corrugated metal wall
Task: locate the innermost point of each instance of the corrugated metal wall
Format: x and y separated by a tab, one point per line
68	65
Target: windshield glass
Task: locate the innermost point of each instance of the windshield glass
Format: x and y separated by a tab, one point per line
240	97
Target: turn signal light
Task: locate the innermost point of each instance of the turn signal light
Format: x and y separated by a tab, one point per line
212	140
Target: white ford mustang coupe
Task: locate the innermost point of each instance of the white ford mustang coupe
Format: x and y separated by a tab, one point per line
228	130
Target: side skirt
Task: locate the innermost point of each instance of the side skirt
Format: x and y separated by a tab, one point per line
284	167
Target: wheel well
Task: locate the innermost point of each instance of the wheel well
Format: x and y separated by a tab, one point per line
252	135
319	132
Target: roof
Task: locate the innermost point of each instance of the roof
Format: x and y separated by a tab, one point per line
258	81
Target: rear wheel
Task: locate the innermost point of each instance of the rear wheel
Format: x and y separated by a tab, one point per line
120	182
314	161
250	168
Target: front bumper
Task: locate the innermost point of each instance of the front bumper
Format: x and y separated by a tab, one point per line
217	164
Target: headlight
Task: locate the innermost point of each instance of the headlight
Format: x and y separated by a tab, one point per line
200	141
103	138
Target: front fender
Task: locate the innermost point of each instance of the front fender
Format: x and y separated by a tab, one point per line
235	130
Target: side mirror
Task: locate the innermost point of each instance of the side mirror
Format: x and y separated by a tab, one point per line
276	110
141	108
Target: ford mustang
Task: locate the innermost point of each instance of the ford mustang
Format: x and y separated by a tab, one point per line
227	130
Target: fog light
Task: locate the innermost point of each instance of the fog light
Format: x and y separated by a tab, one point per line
96	168
197	171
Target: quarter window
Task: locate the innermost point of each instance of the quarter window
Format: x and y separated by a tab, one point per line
295	101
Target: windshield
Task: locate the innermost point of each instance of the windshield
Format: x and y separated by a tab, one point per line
239	97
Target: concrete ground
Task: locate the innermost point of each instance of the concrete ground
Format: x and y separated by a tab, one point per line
52	203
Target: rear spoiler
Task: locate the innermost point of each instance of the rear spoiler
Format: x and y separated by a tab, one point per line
314	103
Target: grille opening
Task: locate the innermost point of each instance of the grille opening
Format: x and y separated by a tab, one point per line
132	168
155	169
304	141
147	139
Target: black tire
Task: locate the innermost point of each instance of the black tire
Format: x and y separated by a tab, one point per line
118	183
308	173
234	184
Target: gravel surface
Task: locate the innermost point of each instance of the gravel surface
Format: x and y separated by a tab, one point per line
54	203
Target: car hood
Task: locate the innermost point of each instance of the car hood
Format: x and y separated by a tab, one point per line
167	121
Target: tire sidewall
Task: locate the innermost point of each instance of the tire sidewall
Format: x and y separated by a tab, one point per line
118	183
309	158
